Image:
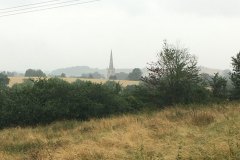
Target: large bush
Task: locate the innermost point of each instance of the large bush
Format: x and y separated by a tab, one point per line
46	100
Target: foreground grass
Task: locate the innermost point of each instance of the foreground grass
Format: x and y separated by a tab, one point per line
210	132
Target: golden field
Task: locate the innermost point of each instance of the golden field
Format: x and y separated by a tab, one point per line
15	80
181	132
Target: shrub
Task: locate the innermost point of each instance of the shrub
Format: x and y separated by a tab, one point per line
43	101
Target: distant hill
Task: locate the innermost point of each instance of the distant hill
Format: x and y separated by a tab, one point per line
78	71
211	71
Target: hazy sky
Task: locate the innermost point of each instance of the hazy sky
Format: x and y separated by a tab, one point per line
134	29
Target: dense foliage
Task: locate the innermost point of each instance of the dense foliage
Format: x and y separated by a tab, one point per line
174	78
135	75
34	73
43	101
235	76
219	86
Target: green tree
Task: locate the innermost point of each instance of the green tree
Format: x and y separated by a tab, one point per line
122	76
235	76
113	86
4	80
34	73
63	75
113	77
218	85
174	78
135	75
206	79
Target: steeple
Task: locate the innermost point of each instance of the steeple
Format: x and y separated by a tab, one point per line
111	69
111	61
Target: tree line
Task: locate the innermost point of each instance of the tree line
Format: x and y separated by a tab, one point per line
135	75
173	79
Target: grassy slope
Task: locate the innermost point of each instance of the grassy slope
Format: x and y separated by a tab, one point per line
175	133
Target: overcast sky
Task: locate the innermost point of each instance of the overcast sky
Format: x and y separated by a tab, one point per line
133	29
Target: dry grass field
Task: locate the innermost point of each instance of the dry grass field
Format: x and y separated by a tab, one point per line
206	132
15	80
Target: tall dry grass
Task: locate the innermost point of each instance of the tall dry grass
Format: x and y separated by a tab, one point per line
205	132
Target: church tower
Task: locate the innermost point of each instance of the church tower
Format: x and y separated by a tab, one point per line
111	69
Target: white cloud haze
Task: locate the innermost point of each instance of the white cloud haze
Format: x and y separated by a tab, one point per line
134	29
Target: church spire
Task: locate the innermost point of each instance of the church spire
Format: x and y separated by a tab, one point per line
111	61
111	70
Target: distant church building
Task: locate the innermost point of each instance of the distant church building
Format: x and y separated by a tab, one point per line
111	69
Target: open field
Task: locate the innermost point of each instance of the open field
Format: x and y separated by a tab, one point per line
207	132
15	80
